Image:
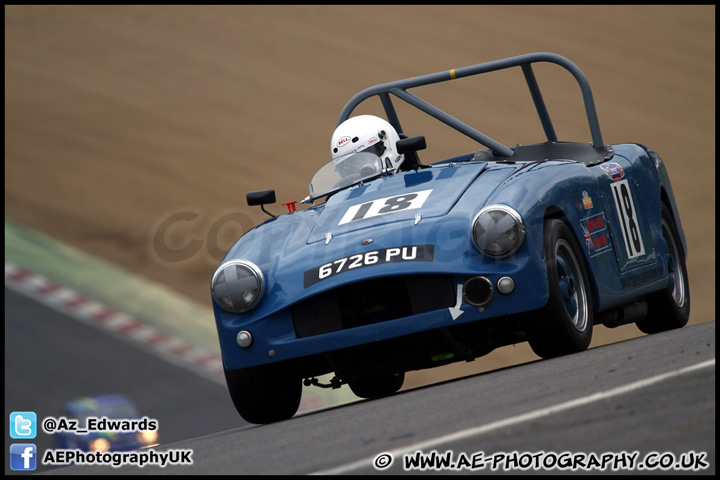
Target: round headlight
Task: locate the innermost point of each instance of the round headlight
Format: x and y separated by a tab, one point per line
147	437
498	230
99	445
237	286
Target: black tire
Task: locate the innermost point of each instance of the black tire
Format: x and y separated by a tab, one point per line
670	308
264	394
565	324
379	386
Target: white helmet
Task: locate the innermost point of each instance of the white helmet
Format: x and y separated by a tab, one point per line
366	133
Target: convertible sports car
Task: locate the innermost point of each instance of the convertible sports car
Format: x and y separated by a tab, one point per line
404	266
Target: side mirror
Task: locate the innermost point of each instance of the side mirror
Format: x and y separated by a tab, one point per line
262	198
412	144
409	148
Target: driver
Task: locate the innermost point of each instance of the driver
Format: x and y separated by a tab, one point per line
357	144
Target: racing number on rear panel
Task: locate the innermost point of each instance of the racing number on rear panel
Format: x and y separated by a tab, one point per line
383	206
628	219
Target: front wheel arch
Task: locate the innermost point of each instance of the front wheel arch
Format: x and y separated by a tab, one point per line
565	324
556	213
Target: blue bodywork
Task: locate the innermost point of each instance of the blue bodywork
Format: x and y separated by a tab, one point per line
609	195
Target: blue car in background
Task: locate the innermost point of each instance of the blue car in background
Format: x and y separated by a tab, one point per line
420	265
113	406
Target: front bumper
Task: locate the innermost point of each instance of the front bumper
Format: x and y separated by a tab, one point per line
276	336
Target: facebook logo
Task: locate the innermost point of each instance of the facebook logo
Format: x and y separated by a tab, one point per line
23	425
22	456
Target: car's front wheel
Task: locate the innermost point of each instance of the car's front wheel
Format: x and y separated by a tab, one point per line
565	324
669	308
264	394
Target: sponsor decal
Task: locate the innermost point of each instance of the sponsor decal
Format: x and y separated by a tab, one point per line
595	223
411	253
586	200
596	235
613	171
343	141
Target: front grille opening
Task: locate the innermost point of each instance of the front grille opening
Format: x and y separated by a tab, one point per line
372	301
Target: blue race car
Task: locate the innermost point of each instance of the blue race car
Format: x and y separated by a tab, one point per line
398	265
112	406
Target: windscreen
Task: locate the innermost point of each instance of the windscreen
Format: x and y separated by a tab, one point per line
345	171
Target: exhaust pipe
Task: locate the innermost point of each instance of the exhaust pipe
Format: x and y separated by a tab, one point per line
625	315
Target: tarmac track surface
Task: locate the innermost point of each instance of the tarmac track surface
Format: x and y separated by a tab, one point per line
51	358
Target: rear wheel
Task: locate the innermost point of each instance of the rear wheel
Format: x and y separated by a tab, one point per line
670	308
565	324
379	386
264	394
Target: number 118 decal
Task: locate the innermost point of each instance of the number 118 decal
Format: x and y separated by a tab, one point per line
383	206
628	219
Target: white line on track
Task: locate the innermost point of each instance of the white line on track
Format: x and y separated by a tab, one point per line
434	443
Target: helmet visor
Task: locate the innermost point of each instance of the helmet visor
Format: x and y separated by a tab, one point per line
362	162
